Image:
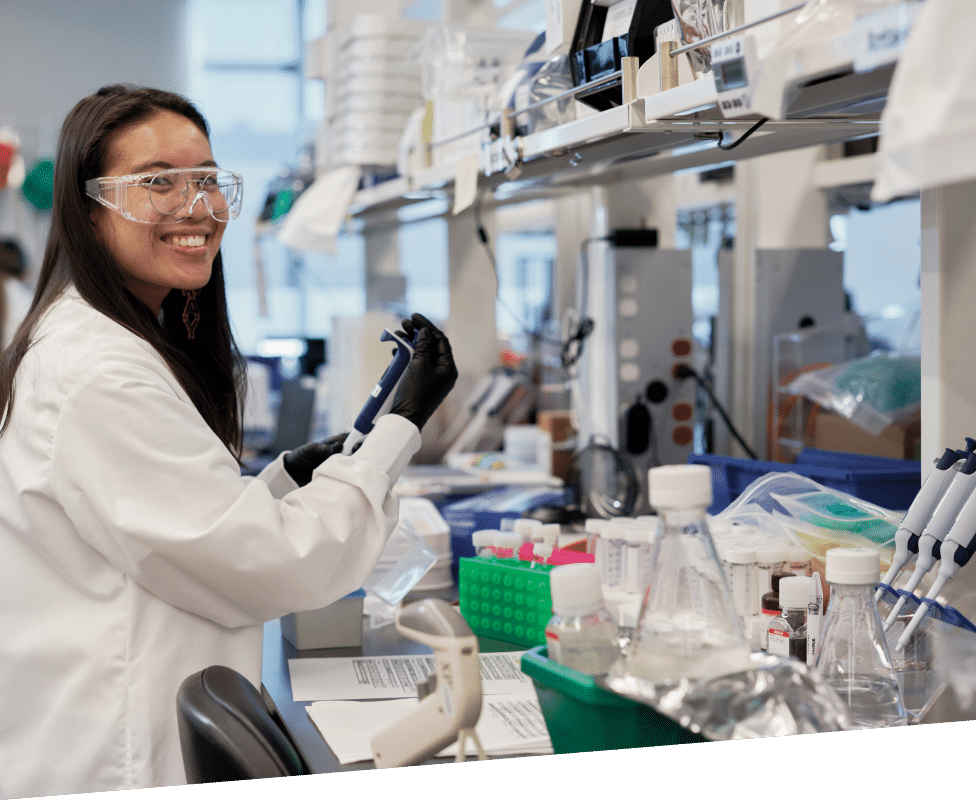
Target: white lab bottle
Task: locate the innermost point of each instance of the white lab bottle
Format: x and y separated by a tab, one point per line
853	655
484	543
507	545
582	634
742	581
787	633
633	538
797	560
688	626
528	529
768	559
609	554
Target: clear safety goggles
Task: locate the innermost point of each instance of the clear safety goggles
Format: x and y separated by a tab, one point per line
171	194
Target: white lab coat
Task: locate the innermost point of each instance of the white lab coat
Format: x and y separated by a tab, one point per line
134	554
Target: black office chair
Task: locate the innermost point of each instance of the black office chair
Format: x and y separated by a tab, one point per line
227	732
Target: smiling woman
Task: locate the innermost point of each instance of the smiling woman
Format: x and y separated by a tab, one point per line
166	240
135	553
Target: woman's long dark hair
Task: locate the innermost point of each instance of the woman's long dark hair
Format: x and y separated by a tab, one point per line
209	367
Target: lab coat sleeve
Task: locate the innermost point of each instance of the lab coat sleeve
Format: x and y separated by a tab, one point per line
151	488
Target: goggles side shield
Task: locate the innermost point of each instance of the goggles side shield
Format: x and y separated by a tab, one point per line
170	195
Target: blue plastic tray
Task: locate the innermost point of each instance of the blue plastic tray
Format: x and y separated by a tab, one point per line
890	483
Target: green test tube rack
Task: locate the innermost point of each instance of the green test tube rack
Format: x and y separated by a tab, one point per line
505	599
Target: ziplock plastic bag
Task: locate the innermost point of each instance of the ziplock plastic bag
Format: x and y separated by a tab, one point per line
815	516
929	120
819	22
872	392
699	19
412	557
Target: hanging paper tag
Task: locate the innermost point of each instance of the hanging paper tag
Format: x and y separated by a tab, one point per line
880	37
465	182
734	63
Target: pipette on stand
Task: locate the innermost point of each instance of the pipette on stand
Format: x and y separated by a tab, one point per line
942	520
381	398
955	552
920	511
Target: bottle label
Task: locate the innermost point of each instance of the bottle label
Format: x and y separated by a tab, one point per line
778	643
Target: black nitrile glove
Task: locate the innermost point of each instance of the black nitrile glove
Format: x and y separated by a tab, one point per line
300	462
429	376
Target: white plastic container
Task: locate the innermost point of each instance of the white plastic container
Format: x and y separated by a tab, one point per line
582	634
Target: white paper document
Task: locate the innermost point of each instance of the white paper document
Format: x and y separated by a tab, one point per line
389	677
510	724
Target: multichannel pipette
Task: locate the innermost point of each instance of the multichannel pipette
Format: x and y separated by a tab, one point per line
381	398
924	504
944	517
955	552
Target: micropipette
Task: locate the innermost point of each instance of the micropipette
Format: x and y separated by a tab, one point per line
946	513
381	398
920	511
955	552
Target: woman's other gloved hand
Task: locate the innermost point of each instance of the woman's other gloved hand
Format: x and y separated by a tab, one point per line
429	376
302	461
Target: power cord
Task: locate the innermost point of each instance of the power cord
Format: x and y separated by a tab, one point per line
741	139
684	371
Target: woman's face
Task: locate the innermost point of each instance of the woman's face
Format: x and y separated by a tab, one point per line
160	257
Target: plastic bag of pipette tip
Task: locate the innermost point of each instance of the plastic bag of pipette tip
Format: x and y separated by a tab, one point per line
872	392
405	560
775	696
797	508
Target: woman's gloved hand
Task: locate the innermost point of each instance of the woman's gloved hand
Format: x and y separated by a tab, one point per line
300	462
429	376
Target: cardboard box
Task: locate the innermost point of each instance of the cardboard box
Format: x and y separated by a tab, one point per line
835	432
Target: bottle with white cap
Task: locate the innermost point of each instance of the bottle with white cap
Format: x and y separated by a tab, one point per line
688	626
484	543
582	634
507	545
741	572
788	631
853	655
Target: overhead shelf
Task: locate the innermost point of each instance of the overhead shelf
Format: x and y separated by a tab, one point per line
658	134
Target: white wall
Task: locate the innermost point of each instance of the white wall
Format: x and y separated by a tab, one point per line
55	52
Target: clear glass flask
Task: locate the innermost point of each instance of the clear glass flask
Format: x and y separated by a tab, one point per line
582	634
688	624
853	656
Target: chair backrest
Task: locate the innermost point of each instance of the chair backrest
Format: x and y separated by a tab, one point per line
227	732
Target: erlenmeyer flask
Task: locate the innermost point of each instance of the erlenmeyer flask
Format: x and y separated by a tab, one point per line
688	626
853	655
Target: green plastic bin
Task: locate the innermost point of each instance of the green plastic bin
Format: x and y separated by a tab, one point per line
583	717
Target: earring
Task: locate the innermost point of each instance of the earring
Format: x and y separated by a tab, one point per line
191	314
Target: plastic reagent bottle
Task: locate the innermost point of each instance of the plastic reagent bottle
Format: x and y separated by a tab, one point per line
788	631
484	543
507	545
688	626
582	634
853	655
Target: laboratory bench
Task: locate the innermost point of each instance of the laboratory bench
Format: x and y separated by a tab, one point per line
277	691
